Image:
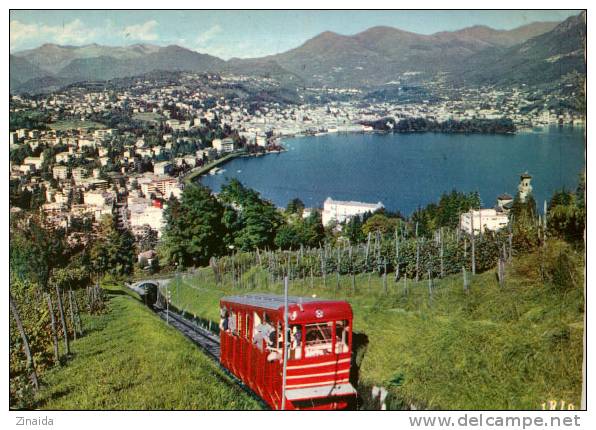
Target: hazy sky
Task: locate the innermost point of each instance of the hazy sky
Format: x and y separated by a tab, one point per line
229	34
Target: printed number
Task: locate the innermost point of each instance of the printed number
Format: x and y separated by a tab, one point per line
557	405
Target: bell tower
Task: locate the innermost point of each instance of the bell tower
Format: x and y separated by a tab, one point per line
524	187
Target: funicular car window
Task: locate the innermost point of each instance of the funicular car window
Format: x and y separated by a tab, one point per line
247	334
318	339
341	336
233	324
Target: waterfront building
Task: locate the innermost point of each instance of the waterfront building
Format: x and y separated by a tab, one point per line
223	145
261	140
217	145
340	211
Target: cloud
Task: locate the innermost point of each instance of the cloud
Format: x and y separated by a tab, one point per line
75	32
144	31
207	35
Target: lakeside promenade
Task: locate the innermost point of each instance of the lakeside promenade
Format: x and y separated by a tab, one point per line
198	171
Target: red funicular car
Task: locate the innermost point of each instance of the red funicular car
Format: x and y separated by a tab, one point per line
320	345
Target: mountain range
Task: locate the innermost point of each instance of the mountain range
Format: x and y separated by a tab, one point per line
540	52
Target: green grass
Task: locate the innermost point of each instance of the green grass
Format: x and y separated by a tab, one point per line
147	117
74	124
130	359
491	348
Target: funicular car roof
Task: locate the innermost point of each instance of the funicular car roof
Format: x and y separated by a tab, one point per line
275	302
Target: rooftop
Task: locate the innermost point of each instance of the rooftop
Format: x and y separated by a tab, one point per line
271	301
330	201
505	196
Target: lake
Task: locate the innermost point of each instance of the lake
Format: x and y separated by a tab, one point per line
406	171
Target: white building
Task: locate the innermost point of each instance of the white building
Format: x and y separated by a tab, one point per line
227	145
261	140
82	143
340	211
36	161
27	168
217	145
104	133
483	219
63	157
78	174
144	213
98	198
160	186
162	168
60	172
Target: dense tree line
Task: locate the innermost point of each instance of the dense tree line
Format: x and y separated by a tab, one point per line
418	125
29	119
201	226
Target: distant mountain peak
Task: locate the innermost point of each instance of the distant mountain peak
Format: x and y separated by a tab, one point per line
372	57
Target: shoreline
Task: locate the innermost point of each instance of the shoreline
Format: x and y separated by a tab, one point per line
197	172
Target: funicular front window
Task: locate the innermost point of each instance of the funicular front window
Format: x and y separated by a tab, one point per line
319	338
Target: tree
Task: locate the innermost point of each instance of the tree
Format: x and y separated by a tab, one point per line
113	251
289	236
194	229
566	215
148	239
314	231
524	226
353	230
295	206
256	222
379	222
35	250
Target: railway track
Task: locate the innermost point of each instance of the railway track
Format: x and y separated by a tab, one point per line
201	337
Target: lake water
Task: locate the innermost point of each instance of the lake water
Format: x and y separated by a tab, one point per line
405	171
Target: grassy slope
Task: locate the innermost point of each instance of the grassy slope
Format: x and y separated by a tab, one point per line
129	359
74	124
510	348
147	117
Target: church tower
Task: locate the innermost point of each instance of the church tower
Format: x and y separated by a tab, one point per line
524	187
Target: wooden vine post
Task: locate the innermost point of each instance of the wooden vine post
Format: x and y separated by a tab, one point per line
63	320
441	252
72	315
430	289
473	238
53	326
26	347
